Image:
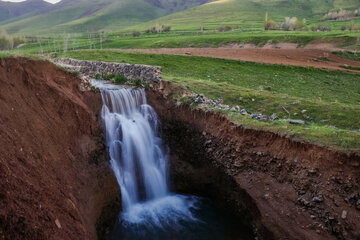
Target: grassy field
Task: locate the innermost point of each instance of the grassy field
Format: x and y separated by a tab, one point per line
331	98
175	39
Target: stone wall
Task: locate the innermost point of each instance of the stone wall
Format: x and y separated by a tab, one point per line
145	73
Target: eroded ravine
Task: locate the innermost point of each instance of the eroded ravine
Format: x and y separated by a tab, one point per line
56	181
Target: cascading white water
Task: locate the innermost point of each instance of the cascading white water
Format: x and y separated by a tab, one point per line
136	152
140	163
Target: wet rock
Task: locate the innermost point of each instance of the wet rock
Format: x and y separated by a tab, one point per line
317	199
358	205
296	121
260	117
244	112
273	117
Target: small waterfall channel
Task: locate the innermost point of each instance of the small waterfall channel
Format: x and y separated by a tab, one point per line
139	159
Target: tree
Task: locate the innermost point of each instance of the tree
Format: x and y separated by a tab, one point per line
6	41
269	23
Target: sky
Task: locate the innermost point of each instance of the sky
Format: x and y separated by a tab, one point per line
50	1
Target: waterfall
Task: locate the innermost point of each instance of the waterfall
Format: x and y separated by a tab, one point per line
139	160
136	151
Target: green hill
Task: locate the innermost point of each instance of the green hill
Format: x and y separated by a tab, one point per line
249	13
73	16
9	10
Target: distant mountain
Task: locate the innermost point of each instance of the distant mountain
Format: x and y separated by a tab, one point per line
73	16
248	13
10	10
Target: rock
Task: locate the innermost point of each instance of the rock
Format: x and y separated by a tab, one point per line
260	117
233	109
317	199
57	222
145	73
296	121
358	205
244	112
344	214
304	111
273	116
312	216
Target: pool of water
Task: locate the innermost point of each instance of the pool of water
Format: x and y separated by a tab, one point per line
177	217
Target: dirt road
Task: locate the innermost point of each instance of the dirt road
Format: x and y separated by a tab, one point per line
309	57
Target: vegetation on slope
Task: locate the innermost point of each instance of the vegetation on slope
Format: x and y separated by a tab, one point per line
330	98
88	16
249	13
9	10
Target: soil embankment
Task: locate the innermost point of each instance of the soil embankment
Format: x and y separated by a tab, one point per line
295	190
54	176
55	180
307	57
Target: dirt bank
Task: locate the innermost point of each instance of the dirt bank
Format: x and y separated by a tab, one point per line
308	56
293	189
54	176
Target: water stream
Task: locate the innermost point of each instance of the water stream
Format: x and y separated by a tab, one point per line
139	160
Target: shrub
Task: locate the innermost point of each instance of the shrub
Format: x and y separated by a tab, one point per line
292	24
6	41
321	28
158	29
136	33
357	12
97	76
341	15
269	24
138	83
120	79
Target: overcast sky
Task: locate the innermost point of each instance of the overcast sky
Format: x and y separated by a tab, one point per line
50	1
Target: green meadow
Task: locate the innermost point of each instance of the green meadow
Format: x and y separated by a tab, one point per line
329	101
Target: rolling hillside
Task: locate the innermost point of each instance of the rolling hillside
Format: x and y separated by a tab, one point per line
11	10
73	16
249	13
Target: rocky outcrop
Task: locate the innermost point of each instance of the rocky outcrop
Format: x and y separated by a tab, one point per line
292	189
145	73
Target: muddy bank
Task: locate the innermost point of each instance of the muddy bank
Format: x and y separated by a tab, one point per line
292	189
54	175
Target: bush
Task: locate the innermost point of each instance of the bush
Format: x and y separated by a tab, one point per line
6	41
120	79
136	33
341	15
269	24
138	83
158	29
357	12
292	24
321	28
